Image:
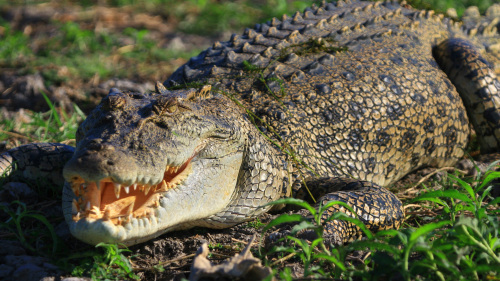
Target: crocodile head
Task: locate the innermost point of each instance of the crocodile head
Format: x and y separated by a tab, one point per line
149	163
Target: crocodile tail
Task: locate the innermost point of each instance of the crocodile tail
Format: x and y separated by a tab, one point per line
477	84
6	164
36	161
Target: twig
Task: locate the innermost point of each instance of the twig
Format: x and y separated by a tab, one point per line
412	205
283	259
16	135
431	174
165	263
243	242
177	259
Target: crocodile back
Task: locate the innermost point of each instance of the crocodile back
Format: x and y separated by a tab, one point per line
347	89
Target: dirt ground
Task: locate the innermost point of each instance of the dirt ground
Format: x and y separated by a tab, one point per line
20	91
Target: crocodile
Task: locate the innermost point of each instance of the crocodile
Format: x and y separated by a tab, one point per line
332	104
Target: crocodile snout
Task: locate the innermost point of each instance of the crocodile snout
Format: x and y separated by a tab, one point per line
98	161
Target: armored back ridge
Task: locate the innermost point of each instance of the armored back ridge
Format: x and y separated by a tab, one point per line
346	98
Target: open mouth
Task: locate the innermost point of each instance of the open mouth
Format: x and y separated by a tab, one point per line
119	203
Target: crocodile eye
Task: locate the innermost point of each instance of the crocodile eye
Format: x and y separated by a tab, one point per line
165	106
172	108
114	102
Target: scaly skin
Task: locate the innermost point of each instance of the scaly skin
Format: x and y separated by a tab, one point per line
346	98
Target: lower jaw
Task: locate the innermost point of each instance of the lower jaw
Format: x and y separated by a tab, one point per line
94	231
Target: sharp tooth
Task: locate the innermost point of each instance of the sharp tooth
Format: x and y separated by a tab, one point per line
130	208
74	207
130	217
95	210
147	188
87	206
77	216
135	186
176	169
117	190
107	214
126	189
164	185
119	220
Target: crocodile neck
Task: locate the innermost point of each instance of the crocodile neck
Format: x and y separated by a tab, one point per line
265	175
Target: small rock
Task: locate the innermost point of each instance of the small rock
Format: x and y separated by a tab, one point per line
18	261
50	266
17	191
5	270
176	44
11	247
126	85
29	272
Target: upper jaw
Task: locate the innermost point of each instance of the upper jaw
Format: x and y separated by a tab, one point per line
114	194
118	203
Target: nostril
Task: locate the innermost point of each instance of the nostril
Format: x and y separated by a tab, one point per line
110	163
108	147
98	140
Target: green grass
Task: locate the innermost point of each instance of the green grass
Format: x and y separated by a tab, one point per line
461	244
110	265
76	54
55	125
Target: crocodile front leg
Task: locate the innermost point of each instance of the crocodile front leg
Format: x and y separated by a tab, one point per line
374	205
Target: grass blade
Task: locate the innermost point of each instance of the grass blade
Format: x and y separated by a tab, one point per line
285	218
293	201
426	229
